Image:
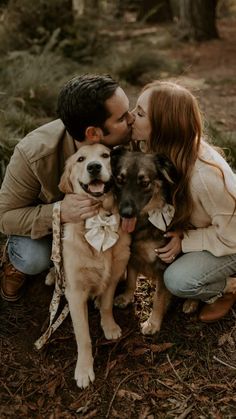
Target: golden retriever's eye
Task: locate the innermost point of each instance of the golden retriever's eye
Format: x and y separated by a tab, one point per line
80	159
105	156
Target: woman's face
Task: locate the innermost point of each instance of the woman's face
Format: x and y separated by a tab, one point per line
141	128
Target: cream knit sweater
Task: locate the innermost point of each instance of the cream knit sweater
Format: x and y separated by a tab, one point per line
213	206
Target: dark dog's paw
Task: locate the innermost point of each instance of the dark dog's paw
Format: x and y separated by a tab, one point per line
123	300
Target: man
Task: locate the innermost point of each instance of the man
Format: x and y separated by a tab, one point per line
91	108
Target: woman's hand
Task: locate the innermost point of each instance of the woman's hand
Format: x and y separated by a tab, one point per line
75	208
173	248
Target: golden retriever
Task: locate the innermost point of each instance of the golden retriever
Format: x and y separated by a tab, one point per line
89	271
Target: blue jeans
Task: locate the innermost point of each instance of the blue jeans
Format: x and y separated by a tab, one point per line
30	256
199	275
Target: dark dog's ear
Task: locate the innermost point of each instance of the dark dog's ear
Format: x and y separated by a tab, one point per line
165	169
167	173
116	154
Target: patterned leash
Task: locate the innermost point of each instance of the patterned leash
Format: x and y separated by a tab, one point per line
59	290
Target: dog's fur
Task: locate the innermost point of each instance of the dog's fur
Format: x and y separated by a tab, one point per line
90	273
143	182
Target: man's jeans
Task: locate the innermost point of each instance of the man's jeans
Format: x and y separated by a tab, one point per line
199	275
30	256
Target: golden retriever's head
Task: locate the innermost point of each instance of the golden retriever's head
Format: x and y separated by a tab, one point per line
88	170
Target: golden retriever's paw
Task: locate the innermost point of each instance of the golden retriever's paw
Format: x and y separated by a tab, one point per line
83	376
123	300
50	278
190	306
149	327
112	331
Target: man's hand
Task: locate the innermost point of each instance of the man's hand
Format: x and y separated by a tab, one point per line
173	248
75	208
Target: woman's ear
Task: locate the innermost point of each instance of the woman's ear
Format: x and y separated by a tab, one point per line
65	184
93	134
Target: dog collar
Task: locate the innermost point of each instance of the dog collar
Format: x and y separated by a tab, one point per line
102	231
162	217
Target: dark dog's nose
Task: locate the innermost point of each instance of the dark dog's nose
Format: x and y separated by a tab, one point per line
94	168
127	210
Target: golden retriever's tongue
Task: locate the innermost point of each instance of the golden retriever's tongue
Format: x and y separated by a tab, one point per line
128	224
96	187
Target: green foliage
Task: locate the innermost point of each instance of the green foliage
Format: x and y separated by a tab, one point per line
31	82
29	86
144	66
30	23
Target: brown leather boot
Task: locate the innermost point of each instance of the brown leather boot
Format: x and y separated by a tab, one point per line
218	309
12	282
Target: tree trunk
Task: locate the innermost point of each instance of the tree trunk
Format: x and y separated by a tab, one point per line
198	19
155	11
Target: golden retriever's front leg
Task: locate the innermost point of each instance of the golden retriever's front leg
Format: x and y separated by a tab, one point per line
77	299
161	302
110	328
127	297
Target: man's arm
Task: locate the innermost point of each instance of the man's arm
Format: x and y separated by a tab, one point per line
19	213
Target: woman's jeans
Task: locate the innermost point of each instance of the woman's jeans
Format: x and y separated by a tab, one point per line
199	275
30	256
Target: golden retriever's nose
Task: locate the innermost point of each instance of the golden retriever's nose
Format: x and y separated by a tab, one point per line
94	168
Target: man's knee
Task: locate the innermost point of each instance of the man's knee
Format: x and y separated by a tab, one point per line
30	256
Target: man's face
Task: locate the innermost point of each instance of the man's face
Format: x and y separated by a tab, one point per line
117	128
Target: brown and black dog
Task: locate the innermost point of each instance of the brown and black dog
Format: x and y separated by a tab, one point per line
143	184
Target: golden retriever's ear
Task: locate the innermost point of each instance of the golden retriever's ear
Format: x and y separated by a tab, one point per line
65	184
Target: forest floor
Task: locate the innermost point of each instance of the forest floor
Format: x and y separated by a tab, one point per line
188	370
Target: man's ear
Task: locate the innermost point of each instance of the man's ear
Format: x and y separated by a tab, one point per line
93	134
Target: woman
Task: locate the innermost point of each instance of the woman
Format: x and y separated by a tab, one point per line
168	119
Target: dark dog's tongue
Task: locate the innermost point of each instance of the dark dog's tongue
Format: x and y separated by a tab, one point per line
128	224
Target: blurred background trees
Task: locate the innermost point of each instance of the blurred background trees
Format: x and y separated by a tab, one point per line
44	43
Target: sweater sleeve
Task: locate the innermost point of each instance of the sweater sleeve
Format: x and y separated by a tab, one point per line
19	213
219	238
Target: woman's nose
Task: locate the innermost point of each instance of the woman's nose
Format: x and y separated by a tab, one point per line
131	118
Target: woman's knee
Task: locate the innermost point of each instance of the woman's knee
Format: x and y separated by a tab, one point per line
30	256
180	283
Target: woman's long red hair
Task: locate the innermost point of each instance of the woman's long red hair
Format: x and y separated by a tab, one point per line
176	132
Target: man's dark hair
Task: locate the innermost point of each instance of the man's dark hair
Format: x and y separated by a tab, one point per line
81	103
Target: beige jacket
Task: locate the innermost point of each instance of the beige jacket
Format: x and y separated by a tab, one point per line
213	207
30	186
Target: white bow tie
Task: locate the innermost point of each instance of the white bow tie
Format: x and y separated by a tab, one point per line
162	217
102	231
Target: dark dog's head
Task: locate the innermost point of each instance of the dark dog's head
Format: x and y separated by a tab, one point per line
142	182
